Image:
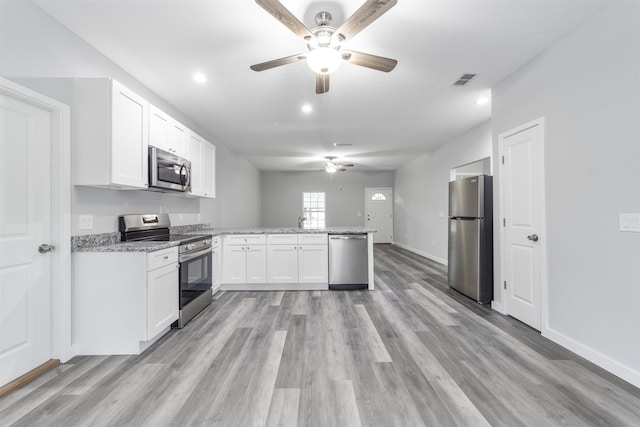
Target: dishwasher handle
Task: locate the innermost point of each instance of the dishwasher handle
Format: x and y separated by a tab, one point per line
351	237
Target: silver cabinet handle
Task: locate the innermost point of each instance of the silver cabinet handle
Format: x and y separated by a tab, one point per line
533	237
44	248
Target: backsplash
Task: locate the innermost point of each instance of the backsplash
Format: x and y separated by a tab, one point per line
91	240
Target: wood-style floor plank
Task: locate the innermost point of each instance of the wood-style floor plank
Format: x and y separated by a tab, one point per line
411	353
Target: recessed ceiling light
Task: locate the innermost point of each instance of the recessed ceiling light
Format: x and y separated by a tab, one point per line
482	101
307	108
200	78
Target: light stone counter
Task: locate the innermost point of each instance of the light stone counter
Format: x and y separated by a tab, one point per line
108	242
283	230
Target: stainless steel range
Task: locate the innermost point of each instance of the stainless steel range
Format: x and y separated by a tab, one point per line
195	259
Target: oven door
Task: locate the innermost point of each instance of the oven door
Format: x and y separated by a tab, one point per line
195	275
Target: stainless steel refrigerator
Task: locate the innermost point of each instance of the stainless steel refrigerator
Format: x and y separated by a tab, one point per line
471	237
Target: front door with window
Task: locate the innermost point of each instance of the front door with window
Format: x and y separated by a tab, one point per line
379	213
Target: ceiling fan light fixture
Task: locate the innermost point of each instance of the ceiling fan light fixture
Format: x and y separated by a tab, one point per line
324	60
330	167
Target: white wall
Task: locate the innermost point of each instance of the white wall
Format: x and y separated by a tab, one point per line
421	197
34	49
282	195
587	87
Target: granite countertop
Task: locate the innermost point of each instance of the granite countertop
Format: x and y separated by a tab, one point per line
128	247
283	230
108	242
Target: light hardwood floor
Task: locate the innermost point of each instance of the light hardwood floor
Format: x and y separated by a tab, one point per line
411	353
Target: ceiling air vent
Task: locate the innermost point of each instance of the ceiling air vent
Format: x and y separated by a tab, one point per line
464	79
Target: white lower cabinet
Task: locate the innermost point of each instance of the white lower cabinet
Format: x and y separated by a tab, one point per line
313	264
216	273
291	259
124	300
244	259
162	299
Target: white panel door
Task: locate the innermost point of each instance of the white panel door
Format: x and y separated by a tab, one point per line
379	214
522	182
25	224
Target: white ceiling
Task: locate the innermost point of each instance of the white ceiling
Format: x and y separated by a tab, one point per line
388	117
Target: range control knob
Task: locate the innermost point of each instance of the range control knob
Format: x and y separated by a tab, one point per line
191	246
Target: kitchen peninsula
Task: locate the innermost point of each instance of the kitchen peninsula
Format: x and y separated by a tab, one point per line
267	259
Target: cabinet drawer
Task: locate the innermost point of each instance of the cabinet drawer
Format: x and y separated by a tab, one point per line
242	239
313	239
161	258
282	239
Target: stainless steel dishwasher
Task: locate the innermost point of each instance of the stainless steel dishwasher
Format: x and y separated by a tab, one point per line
348	261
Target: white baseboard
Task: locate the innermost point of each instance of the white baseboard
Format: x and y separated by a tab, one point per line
497	306
421	253
605	362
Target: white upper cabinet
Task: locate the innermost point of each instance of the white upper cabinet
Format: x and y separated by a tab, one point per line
208	167
202	155
110	135
167	133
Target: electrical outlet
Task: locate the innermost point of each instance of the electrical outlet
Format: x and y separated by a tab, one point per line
85	222
433	243
359	213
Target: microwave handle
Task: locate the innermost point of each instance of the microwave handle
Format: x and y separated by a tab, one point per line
187	176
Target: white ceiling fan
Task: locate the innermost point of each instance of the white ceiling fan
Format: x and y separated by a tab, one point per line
325	43
332	167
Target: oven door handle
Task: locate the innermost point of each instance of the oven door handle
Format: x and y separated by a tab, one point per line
187	257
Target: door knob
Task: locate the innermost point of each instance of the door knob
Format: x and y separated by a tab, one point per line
44	248
533	237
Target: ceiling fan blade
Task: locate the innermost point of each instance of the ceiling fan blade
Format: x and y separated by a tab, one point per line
322	83
379	63
278	62
368	12
282	14
347	165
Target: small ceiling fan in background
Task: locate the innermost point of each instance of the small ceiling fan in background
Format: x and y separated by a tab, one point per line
333	167
325	42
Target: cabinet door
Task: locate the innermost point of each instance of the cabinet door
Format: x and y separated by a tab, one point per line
194	149
177	138
167	133
216	267
162	298
313	264
159	124
282	263
234	268
129	137
256	264
208	166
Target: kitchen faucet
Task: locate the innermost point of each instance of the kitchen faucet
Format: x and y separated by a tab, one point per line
301	219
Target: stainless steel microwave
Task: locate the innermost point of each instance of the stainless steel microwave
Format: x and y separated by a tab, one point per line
168	171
